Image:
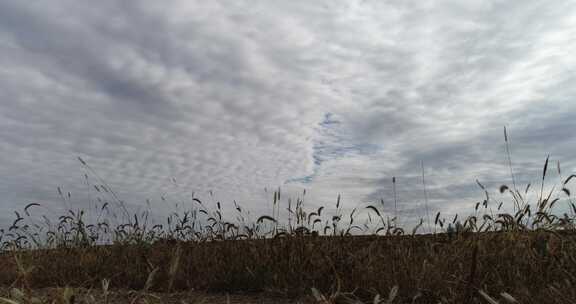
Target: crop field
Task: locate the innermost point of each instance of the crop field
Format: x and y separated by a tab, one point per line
201	256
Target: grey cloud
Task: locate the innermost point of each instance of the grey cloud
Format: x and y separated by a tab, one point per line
229	97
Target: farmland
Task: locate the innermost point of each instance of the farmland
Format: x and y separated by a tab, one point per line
492	257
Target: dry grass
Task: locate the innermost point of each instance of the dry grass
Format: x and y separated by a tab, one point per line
95	296
492	257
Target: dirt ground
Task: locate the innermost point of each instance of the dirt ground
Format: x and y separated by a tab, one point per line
84	296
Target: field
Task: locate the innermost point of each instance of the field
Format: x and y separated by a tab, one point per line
201	256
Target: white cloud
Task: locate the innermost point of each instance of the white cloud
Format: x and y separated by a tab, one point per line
229	96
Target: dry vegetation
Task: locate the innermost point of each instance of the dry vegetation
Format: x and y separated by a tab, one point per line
492	257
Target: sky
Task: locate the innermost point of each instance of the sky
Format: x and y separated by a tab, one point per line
238	98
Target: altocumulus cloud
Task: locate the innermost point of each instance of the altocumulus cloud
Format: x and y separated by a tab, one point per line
332	96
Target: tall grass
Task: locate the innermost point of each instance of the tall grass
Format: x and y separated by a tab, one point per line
490	256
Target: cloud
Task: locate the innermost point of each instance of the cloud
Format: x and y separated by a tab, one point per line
337	97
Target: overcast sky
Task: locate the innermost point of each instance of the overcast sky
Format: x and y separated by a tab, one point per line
163	98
